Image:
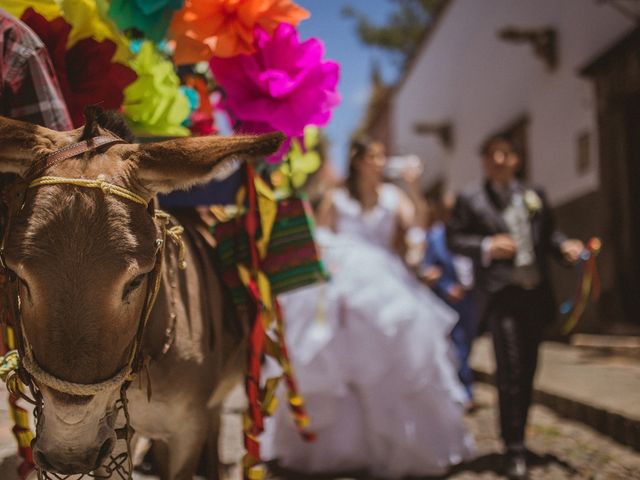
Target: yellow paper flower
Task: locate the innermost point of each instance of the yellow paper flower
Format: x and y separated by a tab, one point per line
49	9
154	104
86	21
300	163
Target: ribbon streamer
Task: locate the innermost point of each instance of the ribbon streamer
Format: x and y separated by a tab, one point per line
588	286
9	364
268	323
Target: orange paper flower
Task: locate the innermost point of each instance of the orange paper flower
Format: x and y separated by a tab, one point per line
225	28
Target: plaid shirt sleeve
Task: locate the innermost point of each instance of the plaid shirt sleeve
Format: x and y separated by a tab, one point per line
30	90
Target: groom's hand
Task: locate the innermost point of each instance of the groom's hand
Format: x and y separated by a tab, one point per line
431	275
502	247
571	250
455	293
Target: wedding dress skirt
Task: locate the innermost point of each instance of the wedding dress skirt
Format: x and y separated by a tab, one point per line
372	355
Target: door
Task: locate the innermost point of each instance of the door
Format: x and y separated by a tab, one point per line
631	293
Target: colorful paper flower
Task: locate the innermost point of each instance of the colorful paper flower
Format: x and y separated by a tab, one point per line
193	97
201	121
83	16
87	22
202	124
225	28
49	9
154	103
85	72
285	85
152	17
302	160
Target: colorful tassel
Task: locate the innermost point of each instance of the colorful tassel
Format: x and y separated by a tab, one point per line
588	286
268	323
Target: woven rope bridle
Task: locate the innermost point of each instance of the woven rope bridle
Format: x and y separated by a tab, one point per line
29	369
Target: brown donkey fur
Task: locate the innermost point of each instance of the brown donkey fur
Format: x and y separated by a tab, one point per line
83	257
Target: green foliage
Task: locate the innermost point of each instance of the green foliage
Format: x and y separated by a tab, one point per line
400	33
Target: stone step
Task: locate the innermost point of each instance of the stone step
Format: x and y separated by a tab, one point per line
623	345
599	389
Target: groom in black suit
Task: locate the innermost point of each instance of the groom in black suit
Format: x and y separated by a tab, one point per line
507	227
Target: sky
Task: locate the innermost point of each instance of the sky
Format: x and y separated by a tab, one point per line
343	45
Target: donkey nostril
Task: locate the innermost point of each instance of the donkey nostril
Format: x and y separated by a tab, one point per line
104	452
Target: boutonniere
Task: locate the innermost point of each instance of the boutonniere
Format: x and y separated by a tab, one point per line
533	201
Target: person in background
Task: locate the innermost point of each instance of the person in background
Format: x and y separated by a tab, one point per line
451	277
371	347
405	171
29	88
507	228
366	206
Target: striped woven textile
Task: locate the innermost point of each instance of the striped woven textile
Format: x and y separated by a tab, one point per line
292	259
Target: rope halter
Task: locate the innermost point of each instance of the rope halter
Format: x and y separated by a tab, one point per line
23	364
35	179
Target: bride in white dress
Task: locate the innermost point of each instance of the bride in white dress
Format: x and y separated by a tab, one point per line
370	348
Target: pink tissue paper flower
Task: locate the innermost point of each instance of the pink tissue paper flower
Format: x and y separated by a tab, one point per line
286	85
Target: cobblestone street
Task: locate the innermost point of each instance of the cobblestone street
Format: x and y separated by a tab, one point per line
560	449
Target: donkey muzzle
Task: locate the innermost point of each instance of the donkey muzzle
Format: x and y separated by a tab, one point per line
69	462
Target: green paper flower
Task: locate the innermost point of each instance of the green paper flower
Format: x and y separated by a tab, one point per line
301	161
154	105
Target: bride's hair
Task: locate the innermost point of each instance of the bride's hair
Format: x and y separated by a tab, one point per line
357	151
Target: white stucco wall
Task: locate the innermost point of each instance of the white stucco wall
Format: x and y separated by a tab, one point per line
467	75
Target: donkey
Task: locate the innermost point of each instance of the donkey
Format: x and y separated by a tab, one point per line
85	260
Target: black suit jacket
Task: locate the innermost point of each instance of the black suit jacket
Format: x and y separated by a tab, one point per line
477	215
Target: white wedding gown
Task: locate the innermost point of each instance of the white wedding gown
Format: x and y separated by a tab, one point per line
373	360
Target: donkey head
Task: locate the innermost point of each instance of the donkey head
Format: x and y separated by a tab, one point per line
83	259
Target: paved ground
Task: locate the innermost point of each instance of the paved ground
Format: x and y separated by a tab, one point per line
560	449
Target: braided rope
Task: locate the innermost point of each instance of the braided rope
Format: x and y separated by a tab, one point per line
80	389
175	233
106	187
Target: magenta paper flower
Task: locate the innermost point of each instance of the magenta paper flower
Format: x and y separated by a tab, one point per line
86	73
285	85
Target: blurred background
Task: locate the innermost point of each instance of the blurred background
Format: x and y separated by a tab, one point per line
433	78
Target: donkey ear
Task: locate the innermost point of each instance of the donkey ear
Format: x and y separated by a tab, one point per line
182	163
21	143
91	123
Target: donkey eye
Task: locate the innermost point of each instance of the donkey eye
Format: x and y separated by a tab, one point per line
133	285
